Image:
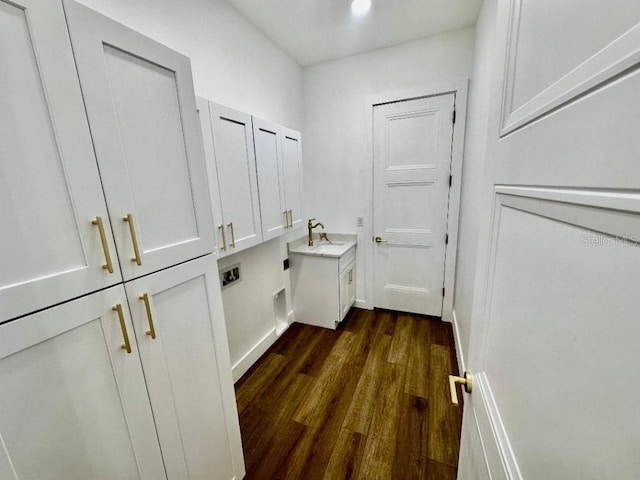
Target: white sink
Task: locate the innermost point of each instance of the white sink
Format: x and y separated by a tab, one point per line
324	249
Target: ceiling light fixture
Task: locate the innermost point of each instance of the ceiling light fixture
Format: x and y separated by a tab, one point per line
360	7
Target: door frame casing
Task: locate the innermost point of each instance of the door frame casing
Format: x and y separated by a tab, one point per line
459	88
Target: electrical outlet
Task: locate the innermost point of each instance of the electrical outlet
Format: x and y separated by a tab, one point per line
230	275
359	221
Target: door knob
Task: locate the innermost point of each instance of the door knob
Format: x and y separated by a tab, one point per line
380	240
466	381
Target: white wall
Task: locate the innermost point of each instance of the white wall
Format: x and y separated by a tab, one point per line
472	173
334	142
234	64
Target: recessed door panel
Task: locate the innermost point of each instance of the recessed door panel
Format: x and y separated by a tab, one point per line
412	139
50	189
273	210
145	94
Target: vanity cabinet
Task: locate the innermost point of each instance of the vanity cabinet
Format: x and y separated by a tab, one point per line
279	168
231	172
323	283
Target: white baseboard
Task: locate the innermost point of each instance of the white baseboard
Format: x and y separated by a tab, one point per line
291	317
462	365
249	358
362	304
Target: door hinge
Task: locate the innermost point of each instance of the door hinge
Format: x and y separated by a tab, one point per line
450	180
446	239
454	116
443	291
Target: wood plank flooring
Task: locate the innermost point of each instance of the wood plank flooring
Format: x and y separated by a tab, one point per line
367	401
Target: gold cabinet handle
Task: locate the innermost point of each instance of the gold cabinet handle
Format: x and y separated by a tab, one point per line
466	381
105	246
350	276
152	330
224	240
134	239
290	218
126	345
233	237
286	219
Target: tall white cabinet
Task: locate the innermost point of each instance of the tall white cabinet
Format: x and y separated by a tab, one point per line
113	352
141	108
51	191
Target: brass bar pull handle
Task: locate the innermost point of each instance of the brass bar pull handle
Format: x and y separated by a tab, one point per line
126	345
233	236
152	330
286	219
134	239
224	240
350	276
290	218
466	381
105	246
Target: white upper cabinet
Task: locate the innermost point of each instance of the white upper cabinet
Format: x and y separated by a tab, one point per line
292	161
142	113
179	322
231	170
74	402
279	167
50	188
273	206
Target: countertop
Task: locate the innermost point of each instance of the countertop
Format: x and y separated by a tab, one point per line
338	245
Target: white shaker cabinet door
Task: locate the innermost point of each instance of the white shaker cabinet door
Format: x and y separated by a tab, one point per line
49	184
292	161
273	210
73	402
235	163
179	323
142	113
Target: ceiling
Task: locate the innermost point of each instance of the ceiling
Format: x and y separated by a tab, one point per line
315	31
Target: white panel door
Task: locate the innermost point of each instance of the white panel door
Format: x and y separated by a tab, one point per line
412	164
554	339
292	162
73	402
237	181
50	189
142	113
188	370
271	187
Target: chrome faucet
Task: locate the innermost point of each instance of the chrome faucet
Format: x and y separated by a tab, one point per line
311	226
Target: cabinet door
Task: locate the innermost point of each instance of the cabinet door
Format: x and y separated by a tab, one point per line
347	289
292	160
142	113
204	119
236	167
74	402
49	184
188	370
269	165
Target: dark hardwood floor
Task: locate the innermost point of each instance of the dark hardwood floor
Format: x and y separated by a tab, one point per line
367	401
